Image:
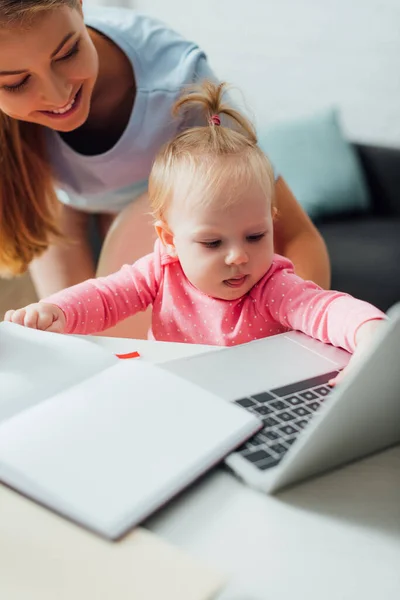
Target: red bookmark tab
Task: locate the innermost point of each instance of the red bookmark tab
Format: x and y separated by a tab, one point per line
128	355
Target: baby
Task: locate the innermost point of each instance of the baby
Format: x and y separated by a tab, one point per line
213	277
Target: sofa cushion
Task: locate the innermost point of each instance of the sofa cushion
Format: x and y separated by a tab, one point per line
381	167
320	166
365	258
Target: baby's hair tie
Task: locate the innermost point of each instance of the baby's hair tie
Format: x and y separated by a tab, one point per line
215	120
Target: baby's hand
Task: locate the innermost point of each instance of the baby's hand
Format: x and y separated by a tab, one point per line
47	317
364	336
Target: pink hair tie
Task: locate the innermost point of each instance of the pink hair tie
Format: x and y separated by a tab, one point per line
215	120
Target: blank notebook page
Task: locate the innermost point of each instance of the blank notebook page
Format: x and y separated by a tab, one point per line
106	451
34	365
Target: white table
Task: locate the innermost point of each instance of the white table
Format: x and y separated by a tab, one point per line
334	538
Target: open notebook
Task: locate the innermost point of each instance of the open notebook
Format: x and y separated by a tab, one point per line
102	441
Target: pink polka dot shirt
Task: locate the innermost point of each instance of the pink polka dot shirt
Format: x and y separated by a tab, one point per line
280	301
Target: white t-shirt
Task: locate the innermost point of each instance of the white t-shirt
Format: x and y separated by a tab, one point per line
163	62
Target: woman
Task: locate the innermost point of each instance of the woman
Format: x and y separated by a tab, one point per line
85	103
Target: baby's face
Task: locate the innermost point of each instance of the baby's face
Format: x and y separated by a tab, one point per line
224	251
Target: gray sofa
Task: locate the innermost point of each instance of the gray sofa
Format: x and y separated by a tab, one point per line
365	249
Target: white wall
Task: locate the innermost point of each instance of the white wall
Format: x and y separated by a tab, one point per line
291	57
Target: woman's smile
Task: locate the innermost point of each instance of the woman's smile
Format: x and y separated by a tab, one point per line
68	110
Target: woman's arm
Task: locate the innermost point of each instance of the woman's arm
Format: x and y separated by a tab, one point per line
296	237
67	262
131	236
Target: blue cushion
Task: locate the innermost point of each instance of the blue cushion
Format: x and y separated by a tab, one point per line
320	166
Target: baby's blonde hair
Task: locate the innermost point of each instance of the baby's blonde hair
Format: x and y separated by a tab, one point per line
188	162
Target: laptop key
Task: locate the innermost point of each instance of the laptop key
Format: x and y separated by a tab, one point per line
278	448
294	400
289	441
288	429
245	402
279	405
270	422
285	416
255	441
302	411
309	395
269	458
302	423
313	405
256	456
263	410
268	463
263	397
323	391
271	434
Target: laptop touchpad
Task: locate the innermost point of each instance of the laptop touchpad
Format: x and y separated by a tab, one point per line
251	368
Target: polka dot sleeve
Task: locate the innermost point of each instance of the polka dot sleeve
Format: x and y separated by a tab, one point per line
97	304
329	316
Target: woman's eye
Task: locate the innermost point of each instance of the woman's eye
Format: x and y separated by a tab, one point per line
74	50
17	87
255	238
213	244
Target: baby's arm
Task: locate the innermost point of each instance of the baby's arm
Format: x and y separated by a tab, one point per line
96	304
329	316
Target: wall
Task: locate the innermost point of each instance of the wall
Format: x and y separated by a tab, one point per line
293	57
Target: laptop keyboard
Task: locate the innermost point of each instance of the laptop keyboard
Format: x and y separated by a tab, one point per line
285	411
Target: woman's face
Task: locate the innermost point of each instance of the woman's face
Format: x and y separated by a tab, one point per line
48	71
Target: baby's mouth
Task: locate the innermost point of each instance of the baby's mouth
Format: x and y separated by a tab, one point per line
236	282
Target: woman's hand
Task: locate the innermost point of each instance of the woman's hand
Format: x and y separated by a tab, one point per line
365	335
43	316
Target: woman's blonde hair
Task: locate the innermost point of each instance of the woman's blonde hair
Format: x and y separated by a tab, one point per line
28	202
188	162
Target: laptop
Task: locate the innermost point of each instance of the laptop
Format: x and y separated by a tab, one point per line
309	427
101	441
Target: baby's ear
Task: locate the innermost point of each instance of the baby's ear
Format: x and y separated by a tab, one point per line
166	236
274	212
